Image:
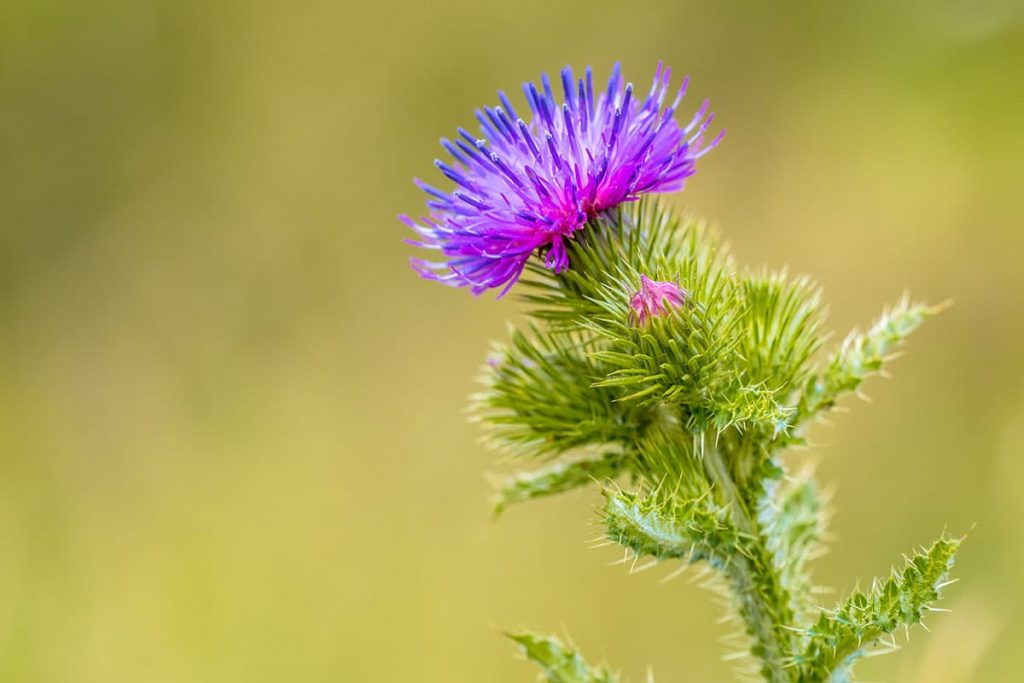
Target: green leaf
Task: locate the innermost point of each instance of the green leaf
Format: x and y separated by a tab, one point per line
862	623
862	355
555	478
666	527
560	663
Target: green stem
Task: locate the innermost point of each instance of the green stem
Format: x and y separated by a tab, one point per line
762	600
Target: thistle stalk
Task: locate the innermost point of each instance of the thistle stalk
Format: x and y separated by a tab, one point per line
761	598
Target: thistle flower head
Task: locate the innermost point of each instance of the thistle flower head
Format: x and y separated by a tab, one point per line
529	183
655	299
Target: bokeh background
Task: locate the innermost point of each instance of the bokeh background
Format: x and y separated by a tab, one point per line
232	440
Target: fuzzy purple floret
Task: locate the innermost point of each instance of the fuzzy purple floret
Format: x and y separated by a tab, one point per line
528	185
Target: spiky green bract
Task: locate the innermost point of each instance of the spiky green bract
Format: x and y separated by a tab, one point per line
560	663
641	238
557	477
862	355
540	399
692	411
859	625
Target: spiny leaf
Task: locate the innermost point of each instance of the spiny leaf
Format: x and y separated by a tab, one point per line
861	623
556	478
560	663
862	355
665	527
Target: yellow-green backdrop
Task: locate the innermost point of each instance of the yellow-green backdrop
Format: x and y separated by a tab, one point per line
232	439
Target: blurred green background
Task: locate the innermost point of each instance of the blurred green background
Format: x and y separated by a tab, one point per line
232	445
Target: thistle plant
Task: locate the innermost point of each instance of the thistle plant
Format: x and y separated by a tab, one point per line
656	369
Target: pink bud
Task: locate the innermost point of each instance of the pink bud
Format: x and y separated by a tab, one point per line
656	299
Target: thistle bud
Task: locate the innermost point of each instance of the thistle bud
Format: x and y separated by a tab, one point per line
655	299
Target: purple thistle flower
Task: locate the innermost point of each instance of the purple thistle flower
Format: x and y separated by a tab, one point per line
528	185
656	299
